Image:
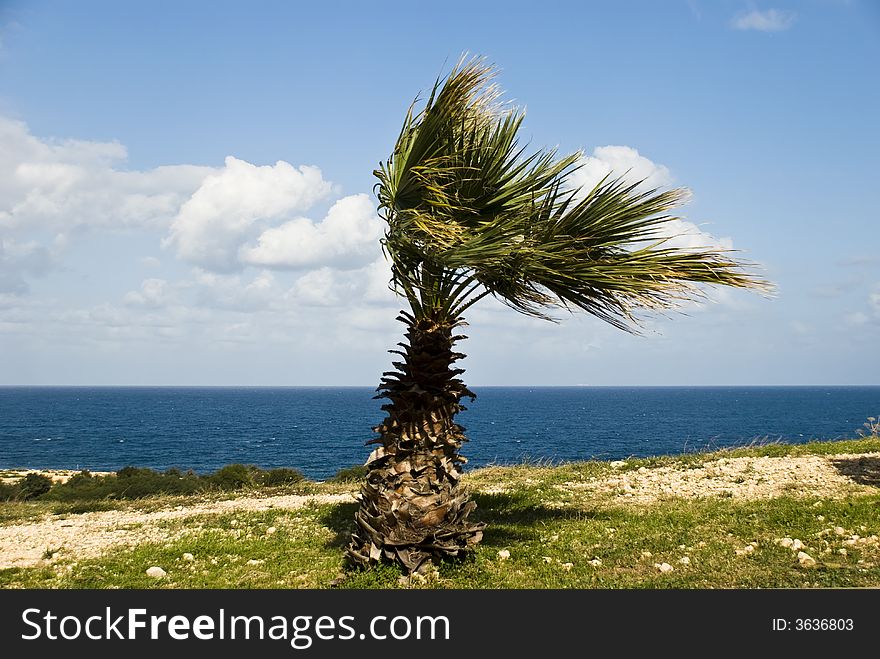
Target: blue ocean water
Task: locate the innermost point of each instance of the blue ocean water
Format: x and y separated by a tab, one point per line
321	429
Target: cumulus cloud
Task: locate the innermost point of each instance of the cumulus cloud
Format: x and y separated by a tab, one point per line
61	185
234	203
154	293
623	161
769	20
348	237
617	161
18	259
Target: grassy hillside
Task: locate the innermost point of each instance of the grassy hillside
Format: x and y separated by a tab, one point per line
766	516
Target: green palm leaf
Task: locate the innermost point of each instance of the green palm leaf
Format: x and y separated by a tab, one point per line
471	214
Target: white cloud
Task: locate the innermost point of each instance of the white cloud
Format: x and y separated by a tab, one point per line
234	203
151	262
624	161
66	184
18	259
619	161
348	237
770	20
154	293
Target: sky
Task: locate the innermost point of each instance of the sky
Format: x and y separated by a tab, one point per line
186	189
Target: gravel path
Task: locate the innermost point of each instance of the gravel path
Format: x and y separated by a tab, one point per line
90	534
741	478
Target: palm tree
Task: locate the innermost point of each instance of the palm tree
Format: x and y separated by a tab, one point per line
470	214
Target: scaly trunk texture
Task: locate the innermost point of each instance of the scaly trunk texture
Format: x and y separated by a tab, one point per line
412	509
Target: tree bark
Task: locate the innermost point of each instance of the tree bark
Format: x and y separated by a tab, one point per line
412	507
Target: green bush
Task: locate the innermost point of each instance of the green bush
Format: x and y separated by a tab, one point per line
234	476
8	492
350	474
281	476
138	482
34	485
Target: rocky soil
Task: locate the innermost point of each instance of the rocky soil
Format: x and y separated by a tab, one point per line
26	544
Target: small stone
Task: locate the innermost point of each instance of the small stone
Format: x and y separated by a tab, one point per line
839	530
617	464
256	561
271	530
213	561
805	559
188	557
796	545
596	562
547	559
554	537
663	567
156	572
748	549
821	518
842	551
701	544
685	560
642	470
785	542
647	554
233	522
567	566
681	546
503	555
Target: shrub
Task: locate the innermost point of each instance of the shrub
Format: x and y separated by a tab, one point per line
350	474
8	491
234	476
33	486
281	476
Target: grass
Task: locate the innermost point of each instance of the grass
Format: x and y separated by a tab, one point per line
554	540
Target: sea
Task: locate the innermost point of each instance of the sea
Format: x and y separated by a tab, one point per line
320	430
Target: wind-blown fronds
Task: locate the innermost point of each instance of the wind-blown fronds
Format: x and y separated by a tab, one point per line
471	214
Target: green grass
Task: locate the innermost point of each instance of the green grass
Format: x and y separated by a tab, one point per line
551	537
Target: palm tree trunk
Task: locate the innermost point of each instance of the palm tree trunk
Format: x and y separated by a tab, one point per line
412	507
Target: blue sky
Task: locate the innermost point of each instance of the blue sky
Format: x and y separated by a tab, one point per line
186	188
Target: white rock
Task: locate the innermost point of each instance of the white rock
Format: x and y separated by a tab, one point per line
685	560
567	566
748	549
233	522
805	559
841	551
188	557
646	554
156	572
271	530
821	518
663	567
547	559
839	530
503	555
256	561
596	562
785	542
796	545
617	464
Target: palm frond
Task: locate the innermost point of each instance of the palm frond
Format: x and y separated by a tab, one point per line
470	214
